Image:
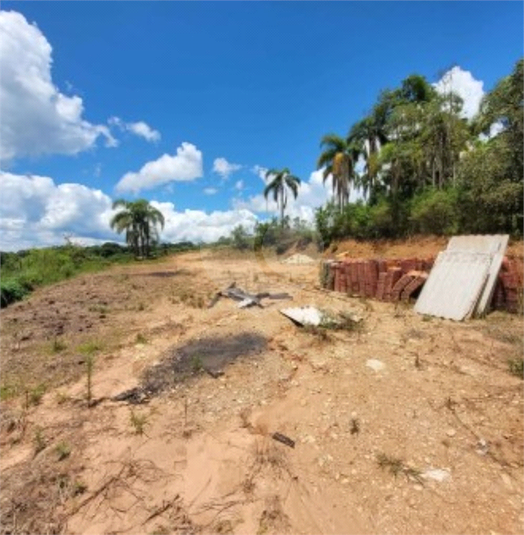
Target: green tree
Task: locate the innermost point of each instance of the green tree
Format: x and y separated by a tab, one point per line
278	182
338	159
140	221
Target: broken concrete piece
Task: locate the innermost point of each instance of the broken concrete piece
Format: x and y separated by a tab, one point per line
437	474
304	315
375	365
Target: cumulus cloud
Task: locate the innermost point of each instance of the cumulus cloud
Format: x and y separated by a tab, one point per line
210	191
466	86
140	129
198	226
185	166
239	185
260	172
36	117
38	212
224	168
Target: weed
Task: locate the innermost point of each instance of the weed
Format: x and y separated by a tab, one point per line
62	397
196	363
34	396
396	466
417	362
141	307
141	339
90	348
100	309
425	317
90	363
79	487
161	530
58	345
516	367
39	440
139	422
7	392
63	450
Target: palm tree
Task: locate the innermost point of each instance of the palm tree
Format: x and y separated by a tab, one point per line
278	182
338	159
139	220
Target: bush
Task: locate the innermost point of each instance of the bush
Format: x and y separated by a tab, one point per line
11	291
435	212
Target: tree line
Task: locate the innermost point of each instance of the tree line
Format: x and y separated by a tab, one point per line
419	167
425	168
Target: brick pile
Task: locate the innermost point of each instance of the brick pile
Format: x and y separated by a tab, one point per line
508	293
402	279
385	280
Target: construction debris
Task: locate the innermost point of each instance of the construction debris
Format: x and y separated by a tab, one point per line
463	279
244	298
304	315
285	440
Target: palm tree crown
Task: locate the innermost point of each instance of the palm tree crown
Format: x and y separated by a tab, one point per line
338	160
278	182
139	220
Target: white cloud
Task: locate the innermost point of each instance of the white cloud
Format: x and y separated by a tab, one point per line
260	172
35	211
239	185
185	166
139	128
197	226
210	191
36	117
466	86
224	168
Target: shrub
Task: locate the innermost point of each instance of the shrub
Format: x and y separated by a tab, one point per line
435	212
12	290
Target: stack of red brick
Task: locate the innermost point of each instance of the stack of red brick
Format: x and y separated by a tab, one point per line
402	279
508	291
386	280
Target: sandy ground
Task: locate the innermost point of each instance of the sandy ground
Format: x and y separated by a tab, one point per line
429	440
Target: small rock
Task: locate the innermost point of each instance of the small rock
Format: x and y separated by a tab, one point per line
507	480
303	402
451	432
345	481
375	365
437	474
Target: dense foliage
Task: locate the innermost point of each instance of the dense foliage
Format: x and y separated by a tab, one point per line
426	168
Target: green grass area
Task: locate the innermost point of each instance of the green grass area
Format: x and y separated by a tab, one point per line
24	271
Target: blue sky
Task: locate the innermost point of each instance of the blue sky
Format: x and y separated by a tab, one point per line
254	83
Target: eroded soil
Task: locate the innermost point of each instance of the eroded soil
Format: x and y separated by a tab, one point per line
429	441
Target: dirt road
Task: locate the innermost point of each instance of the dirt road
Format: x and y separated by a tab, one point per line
403	425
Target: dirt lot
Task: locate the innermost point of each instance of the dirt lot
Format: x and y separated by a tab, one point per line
403	424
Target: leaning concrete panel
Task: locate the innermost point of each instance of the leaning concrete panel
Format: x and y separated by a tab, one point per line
454	285
494	245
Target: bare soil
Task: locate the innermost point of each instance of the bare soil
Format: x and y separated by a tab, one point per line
196	455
